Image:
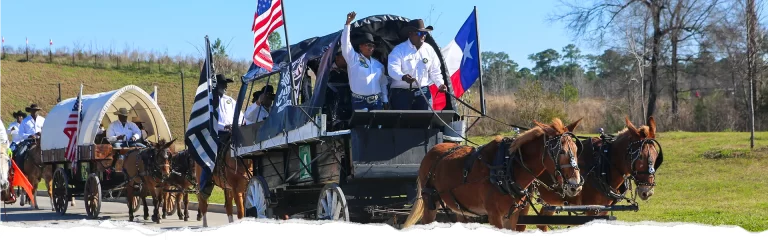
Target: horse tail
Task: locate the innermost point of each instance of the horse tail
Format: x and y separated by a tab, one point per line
418	207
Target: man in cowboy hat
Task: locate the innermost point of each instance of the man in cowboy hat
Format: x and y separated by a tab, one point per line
29	131
256	112
413	67
14	128
226	109
122	133
140	124
366	74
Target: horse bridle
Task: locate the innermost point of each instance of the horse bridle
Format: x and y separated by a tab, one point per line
155	171
653	164
554	149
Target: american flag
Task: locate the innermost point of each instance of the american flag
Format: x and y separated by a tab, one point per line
201	137
71	128
269	16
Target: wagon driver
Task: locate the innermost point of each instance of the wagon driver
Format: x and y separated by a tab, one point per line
14	128
413	67
366	74
122	133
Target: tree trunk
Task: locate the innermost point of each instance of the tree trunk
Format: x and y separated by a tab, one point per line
751	68
656	52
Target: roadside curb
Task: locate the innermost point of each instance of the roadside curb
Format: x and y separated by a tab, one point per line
212	207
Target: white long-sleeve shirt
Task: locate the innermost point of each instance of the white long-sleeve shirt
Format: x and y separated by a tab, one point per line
4	137
253	115
421	64
13	132
31	126
366	76
129	130
226	112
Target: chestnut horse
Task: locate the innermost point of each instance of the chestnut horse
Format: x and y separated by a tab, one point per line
230	174
182	178
491	180
35	170
146	169
632	155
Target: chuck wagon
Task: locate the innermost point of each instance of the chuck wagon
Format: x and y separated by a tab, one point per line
95	174
315	157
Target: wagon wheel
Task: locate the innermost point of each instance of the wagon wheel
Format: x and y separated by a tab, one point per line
60	191
332	204
255	198
170	203
92	196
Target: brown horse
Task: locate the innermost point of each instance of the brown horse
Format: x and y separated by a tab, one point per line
182	178
35	170
230	174
490	180
146	169
632	156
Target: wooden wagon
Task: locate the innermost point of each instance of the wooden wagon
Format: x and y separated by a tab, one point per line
93	173
313	160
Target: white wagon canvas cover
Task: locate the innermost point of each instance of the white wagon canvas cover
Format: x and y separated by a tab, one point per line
98	109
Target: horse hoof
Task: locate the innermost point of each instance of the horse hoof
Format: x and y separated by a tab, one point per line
164	216
130	219
186	219
146	218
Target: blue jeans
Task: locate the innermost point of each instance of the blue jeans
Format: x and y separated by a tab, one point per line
122	144
407	99
359	104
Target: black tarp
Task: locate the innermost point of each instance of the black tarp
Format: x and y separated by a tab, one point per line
284	115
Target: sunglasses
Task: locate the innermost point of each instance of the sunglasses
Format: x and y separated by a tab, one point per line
420	34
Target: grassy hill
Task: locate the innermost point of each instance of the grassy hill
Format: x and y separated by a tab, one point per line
24	83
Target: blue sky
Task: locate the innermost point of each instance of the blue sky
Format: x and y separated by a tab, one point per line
516	27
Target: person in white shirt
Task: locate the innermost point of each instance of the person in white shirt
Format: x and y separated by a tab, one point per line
256	112
14	128
226	110
29	131
413	67
366	74
122	133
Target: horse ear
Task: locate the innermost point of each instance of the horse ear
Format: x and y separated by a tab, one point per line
547	129
651	127
573	125
631	127
169	144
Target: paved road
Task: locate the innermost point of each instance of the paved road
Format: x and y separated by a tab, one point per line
113	211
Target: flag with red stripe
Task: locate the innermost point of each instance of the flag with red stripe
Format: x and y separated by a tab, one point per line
71	129
269	16
462	60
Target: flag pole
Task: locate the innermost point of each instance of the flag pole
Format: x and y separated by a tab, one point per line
288	48
79	125
208	78
479	64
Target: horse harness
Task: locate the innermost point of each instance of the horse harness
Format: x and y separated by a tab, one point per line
501	174
148	157
602	167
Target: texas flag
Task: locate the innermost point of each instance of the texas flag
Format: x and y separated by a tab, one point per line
461	60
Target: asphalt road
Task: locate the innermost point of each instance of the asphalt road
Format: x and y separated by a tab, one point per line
113	211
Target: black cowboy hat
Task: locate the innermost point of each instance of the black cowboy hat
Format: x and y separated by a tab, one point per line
19	113
220	79
268	89
33	107
415	25
364	38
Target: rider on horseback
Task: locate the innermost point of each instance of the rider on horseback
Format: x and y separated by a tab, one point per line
14	128
29	130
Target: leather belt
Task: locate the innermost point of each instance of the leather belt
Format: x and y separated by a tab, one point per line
369	98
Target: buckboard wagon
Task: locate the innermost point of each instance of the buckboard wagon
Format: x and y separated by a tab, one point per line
95	173
316	158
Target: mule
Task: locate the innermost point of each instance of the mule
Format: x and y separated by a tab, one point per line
491	180
146	169
182	178
632	156
230	174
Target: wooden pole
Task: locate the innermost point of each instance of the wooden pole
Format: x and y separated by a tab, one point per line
751	68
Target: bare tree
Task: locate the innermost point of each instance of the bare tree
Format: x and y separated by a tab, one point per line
751	22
